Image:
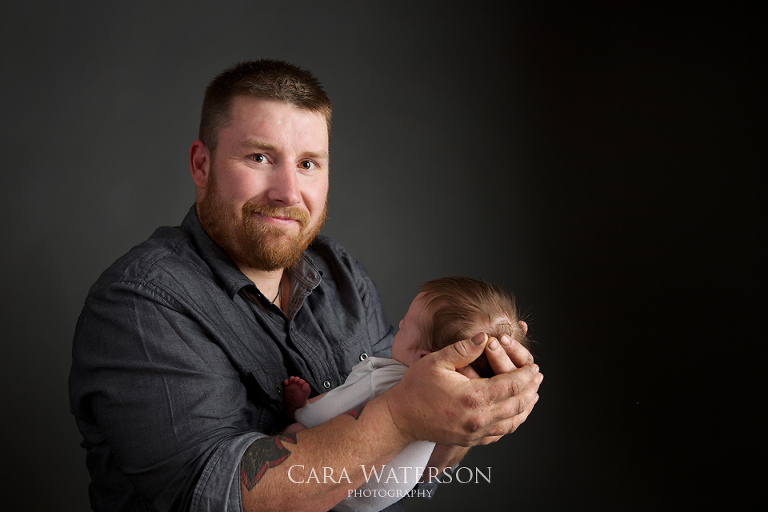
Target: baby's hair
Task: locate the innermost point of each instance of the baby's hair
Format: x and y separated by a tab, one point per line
461	307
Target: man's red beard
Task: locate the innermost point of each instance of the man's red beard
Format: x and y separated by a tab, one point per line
250	242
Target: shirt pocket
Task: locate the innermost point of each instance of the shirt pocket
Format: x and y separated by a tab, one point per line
355	350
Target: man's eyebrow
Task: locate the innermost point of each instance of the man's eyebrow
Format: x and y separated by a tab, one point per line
266	146
258	144
315	154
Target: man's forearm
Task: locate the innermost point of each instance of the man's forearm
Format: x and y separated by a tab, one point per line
314	469
444	456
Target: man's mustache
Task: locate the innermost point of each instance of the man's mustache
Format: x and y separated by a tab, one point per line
270	210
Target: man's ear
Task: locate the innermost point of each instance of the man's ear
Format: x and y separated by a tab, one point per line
200	164
423	352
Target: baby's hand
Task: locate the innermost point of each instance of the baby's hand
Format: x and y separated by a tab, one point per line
296	392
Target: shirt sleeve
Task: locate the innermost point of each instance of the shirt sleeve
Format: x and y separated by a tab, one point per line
158	402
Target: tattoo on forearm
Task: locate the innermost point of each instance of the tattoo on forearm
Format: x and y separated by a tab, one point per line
263	454
356	412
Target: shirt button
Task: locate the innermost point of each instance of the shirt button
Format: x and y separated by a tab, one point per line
327	384
363	356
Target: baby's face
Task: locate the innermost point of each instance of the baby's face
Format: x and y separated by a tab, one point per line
407	345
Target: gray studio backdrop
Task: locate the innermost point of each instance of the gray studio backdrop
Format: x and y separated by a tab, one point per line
569	153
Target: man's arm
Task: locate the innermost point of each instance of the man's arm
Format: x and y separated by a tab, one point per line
457	410
314	470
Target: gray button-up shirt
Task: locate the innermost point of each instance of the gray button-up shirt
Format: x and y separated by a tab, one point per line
178	363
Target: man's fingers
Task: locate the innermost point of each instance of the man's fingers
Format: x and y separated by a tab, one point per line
489	440
514	412
517	353
468	372
510	425
461	353
504	355
512	384
497	357
514	393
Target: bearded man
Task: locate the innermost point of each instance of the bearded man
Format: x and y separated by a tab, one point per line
183	344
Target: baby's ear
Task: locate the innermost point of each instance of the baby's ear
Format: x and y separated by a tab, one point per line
423	352
523	326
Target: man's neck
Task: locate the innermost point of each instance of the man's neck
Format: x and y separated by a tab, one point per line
268	282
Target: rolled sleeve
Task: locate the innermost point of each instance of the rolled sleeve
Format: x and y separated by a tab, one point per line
218	489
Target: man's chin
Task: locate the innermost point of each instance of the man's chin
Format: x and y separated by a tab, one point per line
273	252
278	242
270	248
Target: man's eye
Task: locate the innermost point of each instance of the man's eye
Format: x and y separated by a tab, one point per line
307	165
259	158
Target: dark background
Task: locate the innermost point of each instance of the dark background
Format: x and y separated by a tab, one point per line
603	161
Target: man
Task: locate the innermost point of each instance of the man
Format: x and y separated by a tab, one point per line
183	344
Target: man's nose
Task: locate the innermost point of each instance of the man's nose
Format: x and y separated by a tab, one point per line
284	185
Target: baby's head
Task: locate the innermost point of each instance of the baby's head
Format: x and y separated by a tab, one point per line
450	309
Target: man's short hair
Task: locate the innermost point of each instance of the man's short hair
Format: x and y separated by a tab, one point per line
266	79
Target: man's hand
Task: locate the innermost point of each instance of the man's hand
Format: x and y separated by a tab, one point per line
512	355
434	402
